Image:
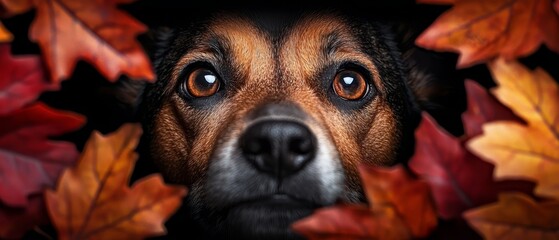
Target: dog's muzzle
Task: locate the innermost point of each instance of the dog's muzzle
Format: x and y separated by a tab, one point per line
277	168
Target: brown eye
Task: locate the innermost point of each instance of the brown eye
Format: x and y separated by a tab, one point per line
350	85
202	82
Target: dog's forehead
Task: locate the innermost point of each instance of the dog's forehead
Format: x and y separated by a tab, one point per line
262	46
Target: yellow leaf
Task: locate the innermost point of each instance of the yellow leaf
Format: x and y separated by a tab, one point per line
516	216
528	150
5	36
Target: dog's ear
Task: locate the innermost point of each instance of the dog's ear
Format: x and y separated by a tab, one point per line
128	92
431	75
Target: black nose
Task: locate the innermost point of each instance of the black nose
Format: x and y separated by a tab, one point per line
278	147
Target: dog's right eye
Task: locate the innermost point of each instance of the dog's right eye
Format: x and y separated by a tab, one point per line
201	83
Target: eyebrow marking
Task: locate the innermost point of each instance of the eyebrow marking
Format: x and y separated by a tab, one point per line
217	45
333	42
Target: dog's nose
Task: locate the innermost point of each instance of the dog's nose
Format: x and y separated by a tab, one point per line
278	147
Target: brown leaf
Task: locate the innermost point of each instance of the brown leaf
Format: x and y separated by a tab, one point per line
400	207
93	201
481	30
411	198
529	151
9	8
352	222
5	35
516	216
90	30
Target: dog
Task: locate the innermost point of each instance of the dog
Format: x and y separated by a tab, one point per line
265	117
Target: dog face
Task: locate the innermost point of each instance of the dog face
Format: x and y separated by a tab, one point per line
266	120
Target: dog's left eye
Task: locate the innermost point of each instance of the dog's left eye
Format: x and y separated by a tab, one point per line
202	82
350	85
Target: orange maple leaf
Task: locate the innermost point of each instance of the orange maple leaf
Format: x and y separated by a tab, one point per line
400	207
480	30
10	8
91	30
93	201
5	35
411	198
516	216
528	150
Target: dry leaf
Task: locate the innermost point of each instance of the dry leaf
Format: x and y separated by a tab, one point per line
516	216
459	180
16	221
22	80
529	151
400	207
9	8
410	197
482	108
481	30
5	35
95	31
93	200
31	162
352	222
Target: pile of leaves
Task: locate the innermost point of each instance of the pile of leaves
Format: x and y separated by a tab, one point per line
501	178
47	181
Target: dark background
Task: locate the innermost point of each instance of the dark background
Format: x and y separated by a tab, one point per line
88	93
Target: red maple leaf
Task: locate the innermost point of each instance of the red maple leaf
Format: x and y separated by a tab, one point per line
29	160
459	179
22	80
482	108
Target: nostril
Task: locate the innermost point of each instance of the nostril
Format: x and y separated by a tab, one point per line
256	146
300	145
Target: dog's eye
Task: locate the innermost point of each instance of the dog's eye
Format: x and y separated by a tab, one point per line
350	85
202	82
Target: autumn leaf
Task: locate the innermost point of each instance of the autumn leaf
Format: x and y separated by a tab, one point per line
531	150
30	162
5	35
410	197
481	30
400	207
352	222
459	180
16	221
90	30
93	200
22	80
482	108
516	216
10	8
